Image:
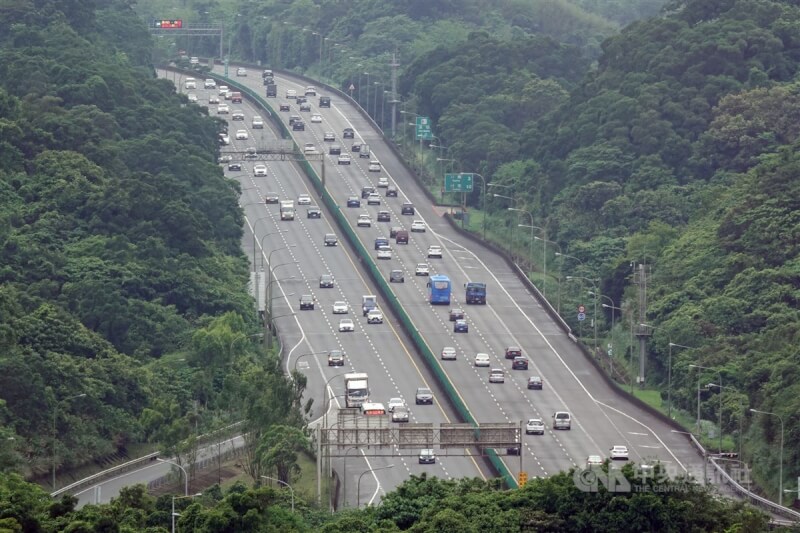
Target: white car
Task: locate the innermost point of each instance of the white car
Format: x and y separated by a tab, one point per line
241	71
374	166
383	182
304	199
241	135
225	140
343	159
418	225
535	426
309	148
258	123
311	91
497	375
260	170
594	460
213	99
395	402
329	136
316	118
422	269
237	115
619	452
190	83
374	316
291	94
346	324
448	353
340	308
374	199
223	109
434	250
209	84
482	359
364	221
223	90
384	252
192	97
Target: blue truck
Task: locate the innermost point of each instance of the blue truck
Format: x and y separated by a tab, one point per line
476	292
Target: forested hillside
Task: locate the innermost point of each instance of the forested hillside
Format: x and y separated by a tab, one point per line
122	283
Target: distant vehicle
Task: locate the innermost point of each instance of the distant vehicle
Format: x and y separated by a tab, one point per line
316	119
381	241
366	191
241	135
260	170
272	91
224	139
190	83
194	60
476	293
335	149
427	457
373	409
192	97
304	199
535	426
330	239
448	353
461	326
401	237
562	420
513	351
348	133
291	94
241	71
309	148
267	73
393	231
496	375
340	308
439	287
343	159
209	84
284	107
375	316
374	199
222	90
313	212
482	359
299	125
346	325
237	115
400	414
394	403
368	302
383	182
271	198
353	201
306	302
619	452
311	91
594	461
328	136
535	383
396	276
418	226
422	269
456	314
326	281
305	106
407	208
364	152
423	396
223	109
374	166
384	252
434	250
384	216
391	192
364	221
335	358
234	167
519	363
324	101
258	123
213	99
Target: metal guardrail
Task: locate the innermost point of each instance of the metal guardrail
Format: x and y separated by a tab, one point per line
752	498
129	466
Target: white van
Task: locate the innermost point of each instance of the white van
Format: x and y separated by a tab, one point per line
190	83
562	420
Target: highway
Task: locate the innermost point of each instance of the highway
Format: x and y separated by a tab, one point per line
298	257
601	417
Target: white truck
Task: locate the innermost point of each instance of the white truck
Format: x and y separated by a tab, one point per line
356	387
368	302
287	210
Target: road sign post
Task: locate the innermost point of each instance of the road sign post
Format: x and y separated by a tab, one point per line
423	129
461	182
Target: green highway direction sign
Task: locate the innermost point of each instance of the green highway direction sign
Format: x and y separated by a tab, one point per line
423	129
458	182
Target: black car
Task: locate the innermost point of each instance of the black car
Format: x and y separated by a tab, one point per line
234	166
283	107
335	149
519	363
396	276
326	281
302	100
271	198
456	314
384	216
407	209
391	191
535	383
299	125
461	326
348	133
330	239
313	212
306	302
366	191
335	358
353	201
305	106
356	147
294	118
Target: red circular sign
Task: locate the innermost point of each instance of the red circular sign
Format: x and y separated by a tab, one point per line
581	309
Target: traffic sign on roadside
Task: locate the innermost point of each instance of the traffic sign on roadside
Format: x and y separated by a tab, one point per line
423	129
581	316
461	182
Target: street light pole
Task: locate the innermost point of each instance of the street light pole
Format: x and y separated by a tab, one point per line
669	376
283	483
741	407
594	286
358	486
55	415
719	373
174	514
780	475
267	302
319	439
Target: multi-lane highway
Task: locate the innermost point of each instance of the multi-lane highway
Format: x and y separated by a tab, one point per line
601	417
298	256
